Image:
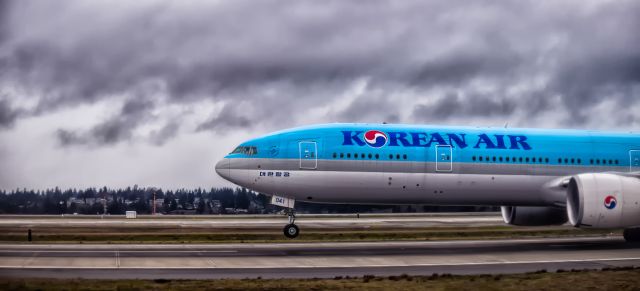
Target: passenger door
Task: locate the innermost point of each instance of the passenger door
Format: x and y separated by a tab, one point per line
308	155
634	159
444	158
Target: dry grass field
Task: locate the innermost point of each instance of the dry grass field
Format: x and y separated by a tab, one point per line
618	279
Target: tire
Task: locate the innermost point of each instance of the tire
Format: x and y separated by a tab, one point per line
291	230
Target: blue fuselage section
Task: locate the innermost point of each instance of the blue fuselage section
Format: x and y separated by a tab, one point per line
468	145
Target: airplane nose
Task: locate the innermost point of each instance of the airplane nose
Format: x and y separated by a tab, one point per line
222	168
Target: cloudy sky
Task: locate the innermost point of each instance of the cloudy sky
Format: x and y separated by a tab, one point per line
152	93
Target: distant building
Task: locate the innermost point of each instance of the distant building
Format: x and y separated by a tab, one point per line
74	200
236	211
216	206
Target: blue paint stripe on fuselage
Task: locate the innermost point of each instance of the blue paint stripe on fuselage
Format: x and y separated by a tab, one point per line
468	144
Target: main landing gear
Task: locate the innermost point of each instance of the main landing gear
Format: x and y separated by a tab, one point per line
632	235
291	230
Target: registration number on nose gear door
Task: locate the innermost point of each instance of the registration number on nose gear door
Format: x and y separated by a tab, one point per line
282	201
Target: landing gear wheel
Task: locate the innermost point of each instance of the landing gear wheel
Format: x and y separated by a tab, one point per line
291	230
632	235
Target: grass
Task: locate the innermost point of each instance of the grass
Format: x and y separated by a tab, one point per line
613	279
207	235
96	232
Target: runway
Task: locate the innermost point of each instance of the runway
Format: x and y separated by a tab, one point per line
350	221
313	260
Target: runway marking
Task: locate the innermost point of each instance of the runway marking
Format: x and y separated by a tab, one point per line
341	266
212	263
117	259
209	260
31	259
292	245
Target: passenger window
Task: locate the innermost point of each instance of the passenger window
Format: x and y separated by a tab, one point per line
397	156
377	156
341	155
391	157
573	161
473	158
527	160
404	157
493	159
369	156
335	155
480	158
348	155
579	161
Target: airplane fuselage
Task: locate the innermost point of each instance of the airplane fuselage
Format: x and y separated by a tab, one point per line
414	164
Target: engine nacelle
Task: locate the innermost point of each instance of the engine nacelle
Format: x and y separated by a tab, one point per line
533	216
603	200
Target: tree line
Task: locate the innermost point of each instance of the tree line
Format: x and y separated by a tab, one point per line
181	201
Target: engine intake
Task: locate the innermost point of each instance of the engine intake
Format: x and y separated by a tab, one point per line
603	200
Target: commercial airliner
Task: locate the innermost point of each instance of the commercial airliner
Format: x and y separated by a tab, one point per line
537	177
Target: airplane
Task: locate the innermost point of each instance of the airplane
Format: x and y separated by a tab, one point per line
536	176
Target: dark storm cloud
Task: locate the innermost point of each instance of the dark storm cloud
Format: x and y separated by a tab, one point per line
453	104
8	115
167	132
370	108
305	53
4	16
228	118
604	62
115	129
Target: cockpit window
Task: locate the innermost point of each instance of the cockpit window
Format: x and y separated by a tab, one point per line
247	150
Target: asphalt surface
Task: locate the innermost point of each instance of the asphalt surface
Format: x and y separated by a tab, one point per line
313	260
393	221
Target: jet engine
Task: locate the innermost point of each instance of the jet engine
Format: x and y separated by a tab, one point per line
533	216
603	200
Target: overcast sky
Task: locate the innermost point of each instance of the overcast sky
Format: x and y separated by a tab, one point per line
152	93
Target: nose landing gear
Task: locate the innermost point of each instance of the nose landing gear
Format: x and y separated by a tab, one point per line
291	230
